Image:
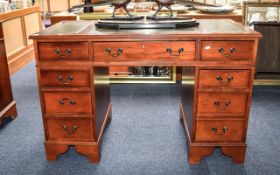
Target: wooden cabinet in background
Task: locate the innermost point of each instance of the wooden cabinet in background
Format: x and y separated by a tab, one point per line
7	104
16	26
269	47
57	5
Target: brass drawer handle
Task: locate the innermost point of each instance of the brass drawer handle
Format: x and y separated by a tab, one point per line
220	79
180	50
58	52
62	101
227	103
219	105
74	129
64	80
215	130
231	51
118	53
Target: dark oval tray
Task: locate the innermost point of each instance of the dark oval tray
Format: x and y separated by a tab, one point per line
146	25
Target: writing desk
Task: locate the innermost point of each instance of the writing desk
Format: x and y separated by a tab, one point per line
72	61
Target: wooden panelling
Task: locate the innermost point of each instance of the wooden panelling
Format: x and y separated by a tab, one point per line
75	2
20	59
17	25
58	5
13	32
31	25
18	13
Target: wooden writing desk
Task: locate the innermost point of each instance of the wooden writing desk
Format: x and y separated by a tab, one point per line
72	64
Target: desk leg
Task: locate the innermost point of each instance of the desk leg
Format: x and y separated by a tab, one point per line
10	111
196	153
237	153
92	152
53	150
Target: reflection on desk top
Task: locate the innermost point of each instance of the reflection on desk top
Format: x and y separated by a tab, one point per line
211	27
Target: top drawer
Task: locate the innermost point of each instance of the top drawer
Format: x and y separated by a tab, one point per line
227	50
113	51
63	51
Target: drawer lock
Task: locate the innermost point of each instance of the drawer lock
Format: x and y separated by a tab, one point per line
118	52
64	80
223	132
71	102
71	131
227	55
180	50
220	79
220	105
66	53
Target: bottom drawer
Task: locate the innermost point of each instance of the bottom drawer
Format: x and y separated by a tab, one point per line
70	129
219	130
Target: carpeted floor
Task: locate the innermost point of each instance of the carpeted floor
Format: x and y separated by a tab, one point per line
144	137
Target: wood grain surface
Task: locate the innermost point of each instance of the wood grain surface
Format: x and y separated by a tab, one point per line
216	84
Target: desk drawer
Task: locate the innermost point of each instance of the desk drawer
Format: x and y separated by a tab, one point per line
222	103
70	51
65	78
219	130
227	50
68	102
70	128
224	78
115	51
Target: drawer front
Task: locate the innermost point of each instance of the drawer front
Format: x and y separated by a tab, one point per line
68	102
64	51
219	130
227	50
224	78
70	128
114	51
222	103
65	78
